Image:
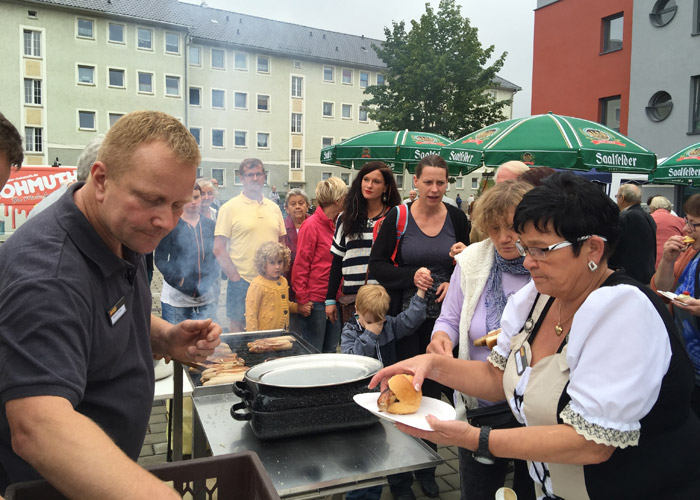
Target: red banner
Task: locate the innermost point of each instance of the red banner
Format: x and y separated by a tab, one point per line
28	186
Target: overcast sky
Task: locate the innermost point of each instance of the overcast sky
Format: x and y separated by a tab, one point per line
506	24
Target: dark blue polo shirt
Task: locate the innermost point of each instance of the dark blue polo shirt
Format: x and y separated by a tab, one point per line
74	323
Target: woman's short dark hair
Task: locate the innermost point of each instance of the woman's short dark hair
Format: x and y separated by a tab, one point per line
692	205
431	161
573	207
355	212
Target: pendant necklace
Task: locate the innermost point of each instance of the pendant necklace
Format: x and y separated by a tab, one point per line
557	328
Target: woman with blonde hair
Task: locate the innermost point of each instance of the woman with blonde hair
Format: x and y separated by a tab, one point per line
486	274
312	266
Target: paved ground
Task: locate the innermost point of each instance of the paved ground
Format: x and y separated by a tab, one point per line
155	447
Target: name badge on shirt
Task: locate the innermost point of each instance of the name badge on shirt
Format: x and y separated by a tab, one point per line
520	360
117	311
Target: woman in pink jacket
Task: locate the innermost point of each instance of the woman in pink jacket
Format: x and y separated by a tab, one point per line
312	266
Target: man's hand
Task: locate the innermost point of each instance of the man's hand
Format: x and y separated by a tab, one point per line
440	344
192	340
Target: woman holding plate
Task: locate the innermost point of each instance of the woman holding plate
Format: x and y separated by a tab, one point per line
588	359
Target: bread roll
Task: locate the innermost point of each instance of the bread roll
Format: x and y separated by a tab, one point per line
400	398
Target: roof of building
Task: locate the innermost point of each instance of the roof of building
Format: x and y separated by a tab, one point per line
502	83
242	30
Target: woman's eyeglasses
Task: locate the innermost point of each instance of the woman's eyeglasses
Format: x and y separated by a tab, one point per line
539	253
694	225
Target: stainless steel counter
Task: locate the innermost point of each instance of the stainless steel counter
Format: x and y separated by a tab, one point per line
315	465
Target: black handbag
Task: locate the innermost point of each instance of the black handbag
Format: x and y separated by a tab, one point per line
496	416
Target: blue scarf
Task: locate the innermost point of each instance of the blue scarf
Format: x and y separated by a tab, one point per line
496	299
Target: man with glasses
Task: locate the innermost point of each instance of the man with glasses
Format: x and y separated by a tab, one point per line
636	248
244	223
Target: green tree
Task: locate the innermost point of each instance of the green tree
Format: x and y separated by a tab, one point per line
436	76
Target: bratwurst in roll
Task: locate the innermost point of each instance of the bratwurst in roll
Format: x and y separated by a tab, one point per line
400	398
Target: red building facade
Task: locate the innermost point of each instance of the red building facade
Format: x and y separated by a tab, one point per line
582	59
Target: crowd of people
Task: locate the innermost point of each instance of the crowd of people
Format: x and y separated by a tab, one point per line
592	389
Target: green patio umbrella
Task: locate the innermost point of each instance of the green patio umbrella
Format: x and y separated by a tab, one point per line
552	141
403	149
682	167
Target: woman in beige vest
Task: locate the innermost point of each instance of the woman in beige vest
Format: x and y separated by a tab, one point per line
589	360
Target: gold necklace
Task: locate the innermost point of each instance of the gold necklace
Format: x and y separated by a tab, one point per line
557	328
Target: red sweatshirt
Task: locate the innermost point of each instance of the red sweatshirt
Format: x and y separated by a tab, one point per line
312	265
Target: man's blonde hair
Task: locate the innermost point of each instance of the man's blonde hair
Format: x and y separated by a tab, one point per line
330	190
372	302
138	128
268	251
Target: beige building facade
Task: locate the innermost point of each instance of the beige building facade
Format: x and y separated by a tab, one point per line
245	86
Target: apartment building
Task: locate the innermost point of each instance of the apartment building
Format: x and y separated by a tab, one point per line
245	86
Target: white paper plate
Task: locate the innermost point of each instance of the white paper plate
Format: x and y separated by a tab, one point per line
428	406
668	295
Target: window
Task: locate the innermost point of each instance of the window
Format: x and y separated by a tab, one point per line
217	138
297	83
326	142
32	140
86	28
475	183
240	100
220	175
218	99
200	172
240	138
364	79
113	118
86	120
380	79
295	159
197	134
345	178
346	111
144	38
240	61
695	123
145	82
297	64
236	178
399	180
116	77
296	123
195	96
172	43
610	112
116	32
459	183
263	102
263	64
663	12
326	175
218	59
172	86
328	74
347	76
263	140
86	75
660	106
612	33
328	109
363	114
32	43
195	56
32	14
32	91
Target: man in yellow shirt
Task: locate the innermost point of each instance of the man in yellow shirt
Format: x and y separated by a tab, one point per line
243	224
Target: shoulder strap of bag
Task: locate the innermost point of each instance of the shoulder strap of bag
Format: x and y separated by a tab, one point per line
401	223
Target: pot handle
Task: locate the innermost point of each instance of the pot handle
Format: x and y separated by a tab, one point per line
243	416
240	390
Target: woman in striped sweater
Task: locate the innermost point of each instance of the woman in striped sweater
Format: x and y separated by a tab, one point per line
372	194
